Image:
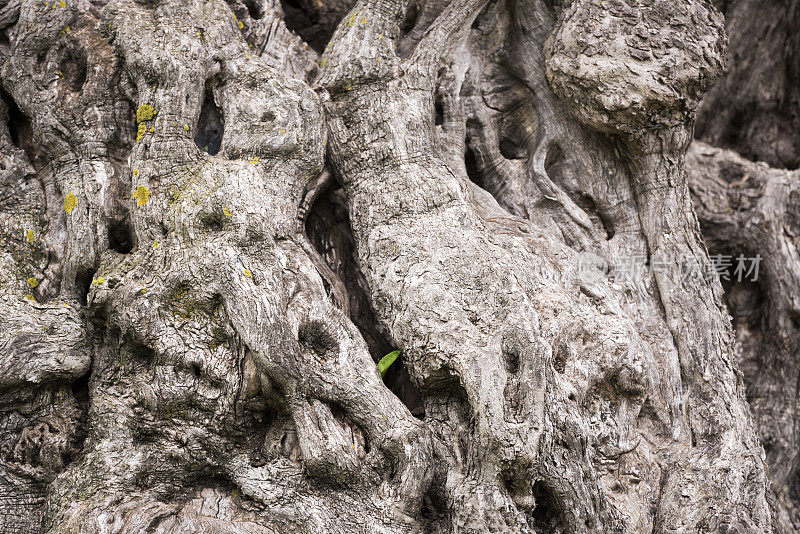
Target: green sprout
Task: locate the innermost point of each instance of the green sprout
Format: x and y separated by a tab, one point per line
386	361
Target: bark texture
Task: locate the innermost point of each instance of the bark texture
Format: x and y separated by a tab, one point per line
213	227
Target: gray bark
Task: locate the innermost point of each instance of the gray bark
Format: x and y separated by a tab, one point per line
211	233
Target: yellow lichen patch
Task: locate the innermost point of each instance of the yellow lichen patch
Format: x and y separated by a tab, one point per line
254	160
33	282
142	195
283	131
155	245
238	22
70	202
29	235
227	212
143	290
136	172
99	280
186	127
247	273
145	113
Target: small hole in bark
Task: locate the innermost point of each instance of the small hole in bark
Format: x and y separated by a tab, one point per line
214	221
120	236
399	382
74	70
314	337
141	354
156	521
410	20
210	126
512	362
438	110
340	414
314	21
196	370
290	444
512	150
434	509
83	282
744	298
254	8
473	170
546	516
554	157
80	388
19	127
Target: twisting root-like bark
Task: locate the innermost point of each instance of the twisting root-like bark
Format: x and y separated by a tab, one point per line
233	275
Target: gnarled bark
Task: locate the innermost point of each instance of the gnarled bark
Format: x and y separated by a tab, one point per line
179	176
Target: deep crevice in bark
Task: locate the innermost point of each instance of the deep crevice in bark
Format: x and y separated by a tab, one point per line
545	514
328	229
255	8
120	235
438	109
471	164
400	383
410	19
83	283
19	126
210	126
313	21
755	107
512	150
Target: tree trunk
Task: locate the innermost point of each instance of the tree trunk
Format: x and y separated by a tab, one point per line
212	231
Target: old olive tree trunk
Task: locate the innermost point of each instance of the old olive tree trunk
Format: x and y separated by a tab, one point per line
211	230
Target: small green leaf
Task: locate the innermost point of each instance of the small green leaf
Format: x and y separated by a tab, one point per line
386	361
